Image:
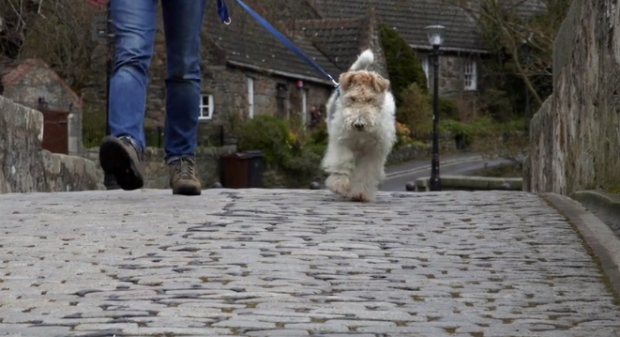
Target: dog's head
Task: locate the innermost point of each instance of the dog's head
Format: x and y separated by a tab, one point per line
363	93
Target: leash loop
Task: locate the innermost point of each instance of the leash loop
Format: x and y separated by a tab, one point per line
222	12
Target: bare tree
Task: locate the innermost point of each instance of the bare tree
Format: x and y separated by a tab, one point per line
58	32
522	33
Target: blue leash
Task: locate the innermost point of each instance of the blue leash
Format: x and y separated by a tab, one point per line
222	12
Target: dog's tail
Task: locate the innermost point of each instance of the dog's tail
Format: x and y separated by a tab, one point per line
365	59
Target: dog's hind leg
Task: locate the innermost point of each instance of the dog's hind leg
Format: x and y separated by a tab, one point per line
338	162
367	177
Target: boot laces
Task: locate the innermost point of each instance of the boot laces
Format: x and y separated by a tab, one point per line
184	168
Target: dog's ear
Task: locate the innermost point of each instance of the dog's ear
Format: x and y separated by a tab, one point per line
380	84
346	80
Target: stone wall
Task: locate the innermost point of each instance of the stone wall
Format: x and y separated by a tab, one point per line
25	167
70	173
156	172
575	136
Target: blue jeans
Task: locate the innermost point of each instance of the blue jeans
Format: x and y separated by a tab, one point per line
135	23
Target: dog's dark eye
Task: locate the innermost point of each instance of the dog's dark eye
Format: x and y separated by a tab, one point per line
353	99
368	100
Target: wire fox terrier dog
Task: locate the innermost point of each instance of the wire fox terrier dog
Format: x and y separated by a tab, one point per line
362	131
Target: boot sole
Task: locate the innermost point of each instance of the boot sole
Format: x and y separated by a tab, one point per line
115	160
186	190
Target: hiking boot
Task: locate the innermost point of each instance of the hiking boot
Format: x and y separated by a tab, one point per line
119	158
183	179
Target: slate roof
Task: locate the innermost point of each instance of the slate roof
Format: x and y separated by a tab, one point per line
7	66
331	32
248	44
339	39
409	18
12	70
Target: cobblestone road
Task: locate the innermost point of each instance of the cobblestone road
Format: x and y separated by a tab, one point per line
295	263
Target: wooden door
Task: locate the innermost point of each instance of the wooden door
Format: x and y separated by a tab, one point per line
56	131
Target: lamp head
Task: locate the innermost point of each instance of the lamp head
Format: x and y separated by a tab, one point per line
434	34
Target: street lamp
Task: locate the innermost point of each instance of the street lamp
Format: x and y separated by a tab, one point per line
435	39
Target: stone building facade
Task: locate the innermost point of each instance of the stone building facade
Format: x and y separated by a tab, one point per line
460	74
247	72
34	84
463	49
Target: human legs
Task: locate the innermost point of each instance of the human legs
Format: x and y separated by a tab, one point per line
183	21
135	23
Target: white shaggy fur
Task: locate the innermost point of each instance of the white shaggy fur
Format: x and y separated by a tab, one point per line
362	132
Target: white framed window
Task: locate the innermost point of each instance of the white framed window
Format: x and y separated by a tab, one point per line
206	107
250	83
470	75
304	107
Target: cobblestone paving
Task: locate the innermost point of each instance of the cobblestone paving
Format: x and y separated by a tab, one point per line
295	263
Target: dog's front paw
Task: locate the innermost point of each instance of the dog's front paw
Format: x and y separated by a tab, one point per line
338	183
362	190
360	197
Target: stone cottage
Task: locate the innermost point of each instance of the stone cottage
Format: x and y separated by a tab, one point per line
463	48
248	72
34	84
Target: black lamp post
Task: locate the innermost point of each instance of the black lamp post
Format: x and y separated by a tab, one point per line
435	39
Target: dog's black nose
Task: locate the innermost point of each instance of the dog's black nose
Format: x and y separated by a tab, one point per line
359	126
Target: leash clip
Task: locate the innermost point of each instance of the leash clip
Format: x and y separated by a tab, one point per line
336	84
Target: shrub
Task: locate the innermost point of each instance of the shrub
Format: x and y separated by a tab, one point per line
403	136
268	134
403	66
319	134
318	138
416	112
497	104
447	109
478	127
285	151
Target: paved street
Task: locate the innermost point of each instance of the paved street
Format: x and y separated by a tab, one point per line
296	263
415	164
463	164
